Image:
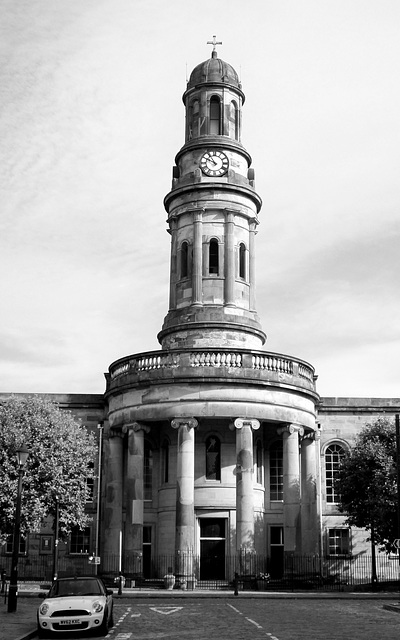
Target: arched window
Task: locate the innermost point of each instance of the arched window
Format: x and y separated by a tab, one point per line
276	470
333	455
215	116
184	260
259	463
194	128
165	461
233	121
242	261
213	458
213	257
148	471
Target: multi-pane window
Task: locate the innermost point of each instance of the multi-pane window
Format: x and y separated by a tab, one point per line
276	470
213	257
338	542
259	462
148	471
22	544
80	540
333	456
213	458
90	483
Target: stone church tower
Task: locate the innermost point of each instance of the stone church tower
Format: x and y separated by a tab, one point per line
211	441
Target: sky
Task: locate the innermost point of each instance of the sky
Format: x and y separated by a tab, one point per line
91	117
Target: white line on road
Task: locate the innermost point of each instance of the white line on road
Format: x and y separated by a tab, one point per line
259	626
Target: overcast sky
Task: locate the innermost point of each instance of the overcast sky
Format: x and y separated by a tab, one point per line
91	118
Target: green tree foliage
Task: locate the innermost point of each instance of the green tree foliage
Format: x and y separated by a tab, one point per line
61	459
367	482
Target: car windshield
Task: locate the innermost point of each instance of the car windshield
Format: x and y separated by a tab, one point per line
75	587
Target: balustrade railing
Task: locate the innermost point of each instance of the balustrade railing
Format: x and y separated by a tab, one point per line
226	359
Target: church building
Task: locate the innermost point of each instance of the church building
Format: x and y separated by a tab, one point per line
214	451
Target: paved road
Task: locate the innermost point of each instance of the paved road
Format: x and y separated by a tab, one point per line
239	619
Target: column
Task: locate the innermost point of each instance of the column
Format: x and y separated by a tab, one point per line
112	512
197	273
291	487
133	543
309	511
174	265
252	265
229	259
244	484
184	524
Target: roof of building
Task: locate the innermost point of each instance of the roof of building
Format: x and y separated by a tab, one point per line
213	70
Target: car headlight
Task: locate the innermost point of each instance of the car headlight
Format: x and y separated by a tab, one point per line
43	609
97	606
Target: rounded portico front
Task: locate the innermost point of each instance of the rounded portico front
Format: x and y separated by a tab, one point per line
245	400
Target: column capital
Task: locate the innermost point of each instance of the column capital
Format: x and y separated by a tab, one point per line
310	436
115	432
290	429
190	423
239	423
135	427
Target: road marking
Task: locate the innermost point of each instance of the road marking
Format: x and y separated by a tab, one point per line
259	626
234	608
254	622
166	610
135	615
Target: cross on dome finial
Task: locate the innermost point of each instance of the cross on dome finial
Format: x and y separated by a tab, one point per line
214	43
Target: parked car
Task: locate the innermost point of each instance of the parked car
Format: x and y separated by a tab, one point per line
76	604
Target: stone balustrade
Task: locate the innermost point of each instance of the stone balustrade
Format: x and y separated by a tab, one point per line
260	366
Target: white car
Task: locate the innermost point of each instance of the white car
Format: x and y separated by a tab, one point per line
76	604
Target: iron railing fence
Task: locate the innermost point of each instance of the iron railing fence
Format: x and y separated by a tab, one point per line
251	571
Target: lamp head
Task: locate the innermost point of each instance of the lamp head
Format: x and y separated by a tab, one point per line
22	455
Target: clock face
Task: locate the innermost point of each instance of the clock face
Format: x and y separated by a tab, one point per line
214	163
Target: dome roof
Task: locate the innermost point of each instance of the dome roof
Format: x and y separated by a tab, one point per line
213	70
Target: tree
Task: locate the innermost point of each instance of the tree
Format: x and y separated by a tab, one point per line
61	459
367	483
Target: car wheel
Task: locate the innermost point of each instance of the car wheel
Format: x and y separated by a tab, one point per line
111	622
41	633
103	629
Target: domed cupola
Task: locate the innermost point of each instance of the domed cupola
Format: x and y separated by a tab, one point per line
213	70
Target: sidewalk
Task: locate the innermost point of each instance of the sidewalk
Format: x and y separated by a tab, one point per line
21	625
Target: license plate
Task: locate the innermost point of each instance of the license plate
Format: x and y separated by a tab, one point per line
69	622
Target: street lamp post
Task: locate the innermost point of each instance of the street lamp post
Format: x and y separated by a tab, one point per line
22	456
56	541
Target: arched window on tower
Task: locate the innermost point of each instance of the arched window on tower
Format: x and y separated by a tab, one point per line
148	471
213	458
194	121
213	257
215	116
233	121
242	261
276	470
333	455
184	260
